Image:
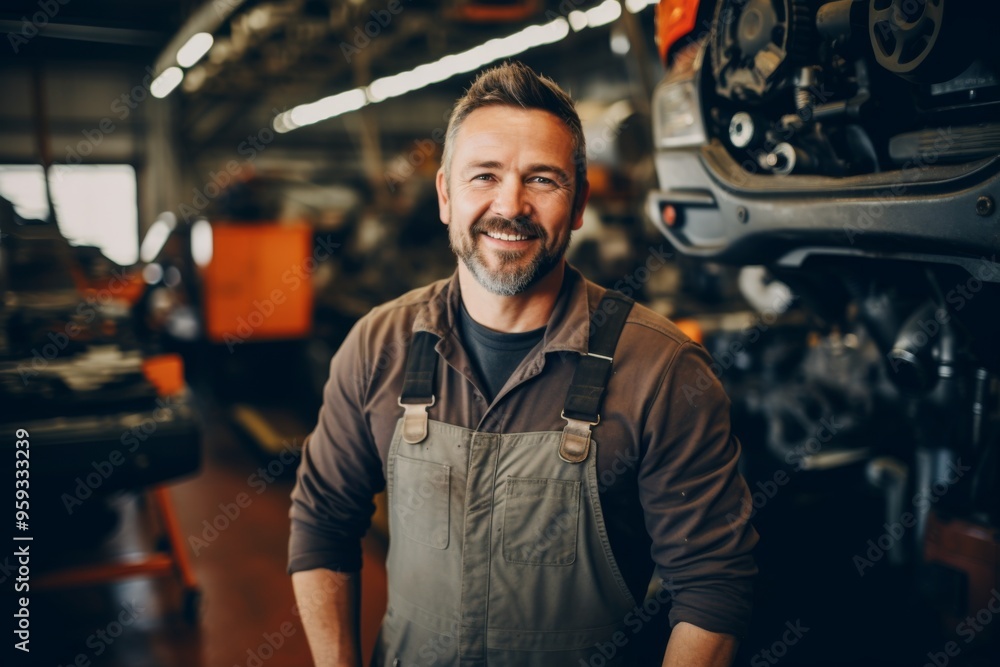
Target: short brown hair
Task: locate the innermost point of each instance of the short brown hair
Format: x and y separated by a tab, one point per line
515	84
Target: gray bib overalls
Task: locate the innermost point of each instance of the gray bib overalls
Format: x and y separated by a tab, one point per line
499	554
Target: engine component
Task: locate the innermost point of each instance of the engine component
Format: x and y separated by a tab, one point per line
921	41
757	43
743	130
916	358
953	144
785	158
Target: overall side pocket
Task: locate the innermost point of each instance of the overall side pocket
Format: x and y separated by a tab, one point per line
422	500
541	521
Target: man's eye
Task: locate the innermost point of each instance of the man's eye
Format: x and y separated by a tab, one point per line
483	177
542	180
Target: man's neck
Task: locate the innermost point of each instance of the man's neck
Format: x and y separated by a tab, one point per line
511	314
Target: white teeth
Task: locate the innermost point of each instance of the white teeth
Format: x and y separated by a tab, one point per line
507	237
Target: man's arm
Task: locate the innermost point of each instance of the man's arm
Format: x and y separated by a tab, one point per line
331	509
690	646
694	501
329	604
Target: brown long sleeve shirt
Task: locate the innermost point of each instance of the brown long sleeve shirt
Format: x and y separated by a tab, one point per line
667	462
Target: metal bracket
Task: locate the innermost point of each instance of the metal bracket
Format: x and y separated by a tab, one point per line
415	421
575	442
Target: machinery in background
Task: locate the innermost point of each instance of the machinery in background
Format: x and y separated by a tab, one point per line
100	415
847	154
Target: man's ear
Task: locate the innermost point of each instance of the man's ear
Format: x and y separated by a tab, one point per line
581	203
442	189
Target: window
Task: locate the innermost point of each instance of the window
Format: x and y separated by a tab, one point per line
95	204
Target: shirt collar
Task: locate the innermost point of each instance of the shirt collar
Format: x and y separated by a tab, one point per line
569	324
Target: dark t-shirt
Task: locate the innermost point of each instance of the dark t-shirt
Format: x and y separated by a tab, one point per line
495	355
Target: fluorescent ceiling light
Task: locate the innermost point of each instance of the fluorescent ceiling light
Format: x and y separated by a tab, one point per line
636	6
577	20
164	84
328	107
201	242
154	241
604	13
473	59
194	49
457	63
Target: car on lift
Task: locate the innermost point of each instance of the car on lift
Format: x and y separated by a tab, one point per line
846	155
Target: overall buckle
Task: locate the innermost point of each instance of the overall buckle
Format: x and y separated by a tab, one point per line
574	445
415	421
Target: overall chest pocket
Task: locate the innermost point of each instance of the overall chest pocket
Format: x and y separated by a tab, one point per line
541	521
421	500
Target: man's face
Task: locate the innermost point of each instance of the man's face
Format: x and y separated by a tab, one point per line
509	201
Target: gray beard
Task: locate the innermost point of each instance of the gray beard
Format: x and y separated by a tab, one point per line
509	279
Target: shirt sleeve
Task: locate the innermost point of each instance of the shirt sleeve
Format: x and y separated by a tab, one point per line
340	471
692	495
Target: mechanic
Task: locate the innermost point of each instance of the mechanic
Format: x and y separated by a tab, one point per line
541	458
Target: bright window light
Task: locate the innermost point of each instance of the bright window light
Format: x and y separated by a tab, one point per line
194	49
24	187
97	205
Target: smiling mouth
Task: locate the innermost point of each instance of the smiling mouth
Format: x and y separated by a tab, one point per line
500	236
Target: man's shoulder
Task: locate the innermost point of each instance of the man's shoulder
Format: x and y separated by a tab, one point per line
406	308
643	323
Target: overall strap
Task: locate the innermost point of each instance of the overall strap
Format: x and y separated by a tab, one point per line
418	385
583	401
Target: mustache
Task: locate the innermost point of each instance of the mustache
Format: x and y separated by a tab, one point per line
499	225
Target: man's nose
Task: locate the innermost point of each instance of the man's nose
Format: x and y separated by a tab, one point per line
511	200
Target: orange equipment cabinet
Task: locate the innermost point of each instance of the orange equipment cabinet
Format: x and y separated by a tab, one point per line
257	285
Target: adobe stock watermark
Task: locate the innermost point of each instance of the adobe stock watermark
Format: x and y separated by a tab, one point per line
779	648
634	621
47	10
223	8
139	432
266	649
364	34
439	649
85	313
630	284
422	150
252	146
122	107
231	511
967	629
957	297
405	165
903	13
749	335
894	532
101	639
292	277
798	458
910	171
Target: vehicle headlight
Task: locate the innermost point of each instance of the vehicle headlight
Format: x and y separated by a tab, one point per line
677	117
